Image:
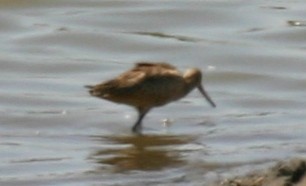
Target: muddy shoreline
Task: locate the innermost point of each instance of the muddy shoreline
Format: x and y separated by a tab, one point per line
284	173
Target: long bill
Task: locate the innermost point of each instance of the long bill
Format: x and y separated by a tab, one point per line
201	89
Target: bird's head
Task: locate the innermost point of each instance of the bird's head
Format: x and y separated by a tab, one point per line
193	78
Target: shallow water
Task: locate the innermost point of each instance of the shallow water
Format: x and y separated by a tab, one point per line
53	133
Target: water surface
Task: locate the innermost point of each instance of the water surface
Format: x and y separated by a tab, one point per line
53	133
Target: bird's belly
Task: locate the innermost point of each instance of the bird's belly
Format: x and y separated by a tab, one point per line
142	100
157	98
152	95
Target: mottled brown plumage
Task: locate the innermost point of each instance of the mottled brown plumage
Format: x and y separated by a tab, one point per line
149	85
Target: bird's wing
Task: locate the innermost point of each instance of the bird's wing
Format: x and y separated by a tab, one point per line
138	77
124	82
142	72
130	78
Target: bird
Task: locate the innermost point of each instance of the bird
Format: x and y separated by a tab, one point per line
148	85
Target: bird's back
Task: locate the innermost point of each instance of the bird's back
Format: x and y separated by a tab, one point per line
146	85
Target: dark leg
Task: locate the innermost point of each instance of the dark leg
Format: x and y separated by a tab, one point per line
137	126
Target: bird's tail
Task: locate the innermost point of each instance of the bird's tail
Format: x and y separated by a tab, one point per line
89	86
91	89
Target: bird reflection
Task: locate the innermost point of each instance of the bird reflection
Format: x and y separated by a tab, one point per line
139	152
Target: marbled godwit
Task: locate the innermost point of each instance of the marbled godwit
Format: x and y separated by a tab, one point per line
150	85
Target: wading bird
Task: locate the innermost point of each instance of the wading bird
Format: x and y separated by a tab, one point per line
149	85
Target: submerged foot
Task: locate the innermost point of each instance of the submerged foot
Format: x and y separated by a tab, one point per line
137	128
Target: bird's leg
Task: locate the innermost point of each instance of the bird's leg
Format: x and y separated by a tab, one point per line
141	113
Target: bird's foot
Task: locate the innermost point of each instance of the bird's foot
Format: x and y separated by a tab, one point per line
137	129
